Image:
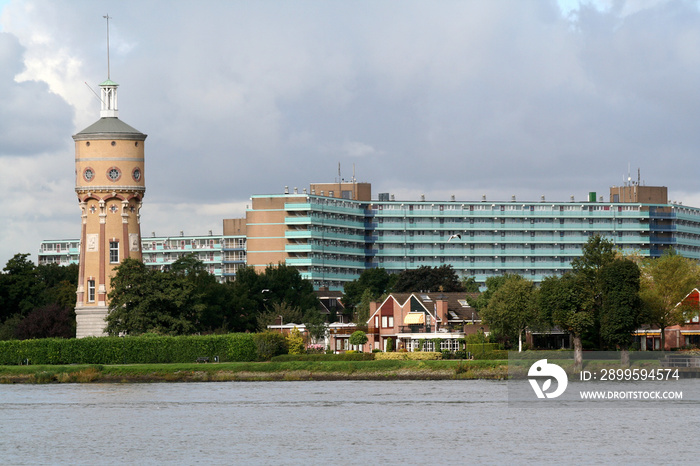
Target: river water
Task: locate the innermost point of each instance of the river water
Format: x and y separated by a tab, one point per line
338	422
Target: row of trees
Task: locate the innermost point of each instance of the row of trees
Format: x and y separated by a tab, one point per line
37	301
602	300
186	299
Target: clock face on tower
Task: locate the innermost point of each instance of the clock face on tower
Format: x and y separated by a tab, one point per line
114	174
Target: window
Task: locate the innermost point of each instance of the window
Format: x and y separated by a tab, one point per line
91	291
391	321
384	321
114	252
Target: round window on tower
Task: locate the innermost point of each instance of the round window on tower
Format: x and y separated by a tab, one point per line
114	174
114	143
136	174
88	174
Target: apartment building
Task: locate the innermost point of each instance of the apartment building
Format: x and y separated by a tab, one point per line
222	255
332	232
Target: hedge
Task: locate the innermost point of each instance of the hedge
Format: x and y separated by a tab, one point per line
326	357
414	355
129	350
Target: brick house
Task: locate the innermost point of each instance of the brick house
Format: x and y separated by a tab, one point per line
677	336
407	318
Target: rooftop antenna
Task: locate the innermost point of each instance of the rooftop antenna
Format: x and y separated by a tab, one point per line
629	177
107	17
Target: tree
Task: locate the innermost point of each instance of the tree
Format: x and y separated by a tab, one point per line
288	314
492	285
665	281
621	305
511	308
428	279
26	289
145	301
358	338
19	287
50	321
567	303
315	324
595	254
376	281
470	285
362	308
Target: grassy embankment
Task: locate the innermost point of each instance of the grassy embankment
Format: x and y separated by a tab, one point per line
258	371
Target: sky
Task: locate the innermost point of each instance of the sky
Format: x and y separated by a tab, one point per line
466	98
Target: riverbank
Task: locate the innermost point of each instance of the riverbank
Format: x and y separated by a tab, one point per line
257	371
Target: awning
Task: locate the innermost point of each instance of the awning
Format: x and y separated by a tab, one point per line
651	333
690	332
414	318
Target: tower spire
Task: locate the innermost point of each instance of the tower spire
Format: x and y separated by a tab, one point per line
108	89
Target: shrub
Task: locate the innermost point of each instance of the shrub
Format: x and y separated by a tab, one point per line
325	357
315	348
390	344
295	342
269	344
358	338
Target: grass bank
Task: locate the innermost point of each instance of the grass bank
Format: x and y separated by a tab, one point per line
257	371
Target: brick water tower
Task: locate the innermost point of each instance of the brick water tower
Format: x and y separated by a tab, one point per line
109	182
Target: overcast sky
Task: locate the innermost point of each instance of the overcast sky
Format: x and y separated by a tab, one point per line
501	98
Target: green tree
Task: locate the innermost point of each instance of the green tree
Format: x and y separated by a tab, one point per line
470	285
492	285
665	281
145	301
566	302
596	253
358	338
315	324
20	287
621	304
428	279
288	314
511	309
376	281
362	308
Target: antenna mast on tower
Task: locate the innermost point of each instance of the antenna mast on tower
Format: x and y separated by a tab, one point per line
107	17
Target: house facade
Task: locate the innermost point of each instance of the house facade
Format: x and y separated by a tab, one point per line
677	336
409	318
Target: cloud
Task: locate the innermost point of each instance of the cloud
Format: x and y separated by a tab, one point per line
33	120
238	98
